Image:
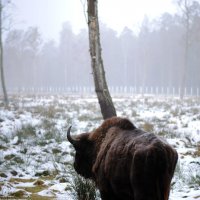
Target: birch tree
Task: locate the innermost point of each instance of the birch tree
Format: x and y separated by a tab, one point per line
101	87
1	60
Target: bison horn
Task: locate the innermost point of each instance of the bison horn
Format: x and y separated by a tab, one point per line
70	139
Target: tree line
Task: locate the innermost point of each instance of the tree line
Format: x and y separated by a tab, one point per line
154	56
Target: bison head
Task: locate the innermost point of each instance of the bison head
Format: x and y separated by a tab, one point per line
84	156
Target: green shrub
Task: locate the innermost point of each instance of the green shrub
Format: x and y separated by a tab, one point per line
85	189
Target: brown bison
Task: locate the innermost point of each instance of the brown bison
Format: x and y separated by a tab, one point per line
126	163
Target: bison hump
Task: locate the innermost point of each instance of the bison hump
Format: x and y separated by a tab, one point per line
119	122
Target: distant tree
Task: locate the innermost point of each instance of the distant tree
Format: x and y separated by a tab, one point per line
66	53
168	49
49	64
33	41
145	50
101	88
1	60
188	10
127	47
111	55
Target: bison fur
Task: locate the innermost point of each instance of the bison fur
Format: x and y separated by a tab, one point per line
126	163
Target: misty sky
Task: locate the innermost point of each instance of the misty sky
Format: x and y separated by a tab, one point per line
49	15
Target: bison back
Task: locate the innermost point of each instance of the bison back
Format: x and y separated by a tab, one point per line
134	165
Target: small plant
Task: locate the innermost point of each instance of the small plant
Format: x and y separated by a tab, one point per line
148	127
26	131
197	151
166	133
175	112
195	180
83	189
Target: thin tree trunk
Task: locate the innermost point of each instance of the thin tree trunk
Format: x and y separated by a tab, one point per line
1	61
186	49
184	72
101	88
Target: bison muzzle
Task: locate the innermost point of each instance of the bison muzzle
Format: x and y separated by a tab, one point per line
126	163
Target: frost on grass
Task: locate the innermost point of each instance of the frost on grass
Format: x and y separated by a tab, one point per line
34	149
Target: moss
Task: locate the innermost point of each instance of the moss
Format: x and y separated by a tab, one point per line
3	175
43	173
56	150
38	197
9	157
196	154
12	180
19	194
38	182
3	147
36	189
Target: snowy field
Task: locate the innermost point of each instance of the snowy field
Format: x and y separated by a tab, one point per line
35	157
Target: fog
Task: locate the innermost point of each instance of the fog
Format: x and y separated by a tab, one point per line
154	56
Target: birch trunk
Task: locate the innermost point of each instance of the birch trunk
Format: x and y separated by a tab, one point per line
101	88
1	61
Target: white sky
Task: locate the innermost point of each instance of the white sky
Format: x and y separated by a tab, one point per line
49	15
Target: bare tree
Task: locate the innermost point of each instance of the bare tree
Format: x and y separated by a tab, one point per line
101	88
1	60
187	10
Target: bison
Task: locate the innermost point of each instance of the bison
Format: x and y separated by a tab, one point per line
126	163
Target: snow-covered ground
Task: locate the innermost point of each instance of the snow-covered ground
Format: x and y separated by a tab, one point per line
35	156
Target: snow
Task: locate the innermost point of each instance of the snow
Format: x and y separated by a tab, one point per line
47	193
44	150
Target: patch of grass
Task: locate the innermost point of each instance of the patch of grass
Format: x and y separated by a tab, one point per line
195	111
51	132
197	151
48	124
179	177
166	133
26	131
38	197
46	111
12	180
50	112
148	127
5	139
84	117
175	112
36	189
19	194
134	113
195	180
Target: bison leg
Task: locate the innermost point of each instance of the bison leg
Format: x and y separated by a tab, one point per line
145	176
106	191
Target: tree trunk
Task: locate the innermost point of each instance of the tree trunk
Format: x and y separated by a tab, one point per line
187	15
1	61
185	64
101	88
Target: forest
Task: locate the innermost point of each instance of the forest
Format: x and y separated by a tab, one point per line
152	147
152	56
